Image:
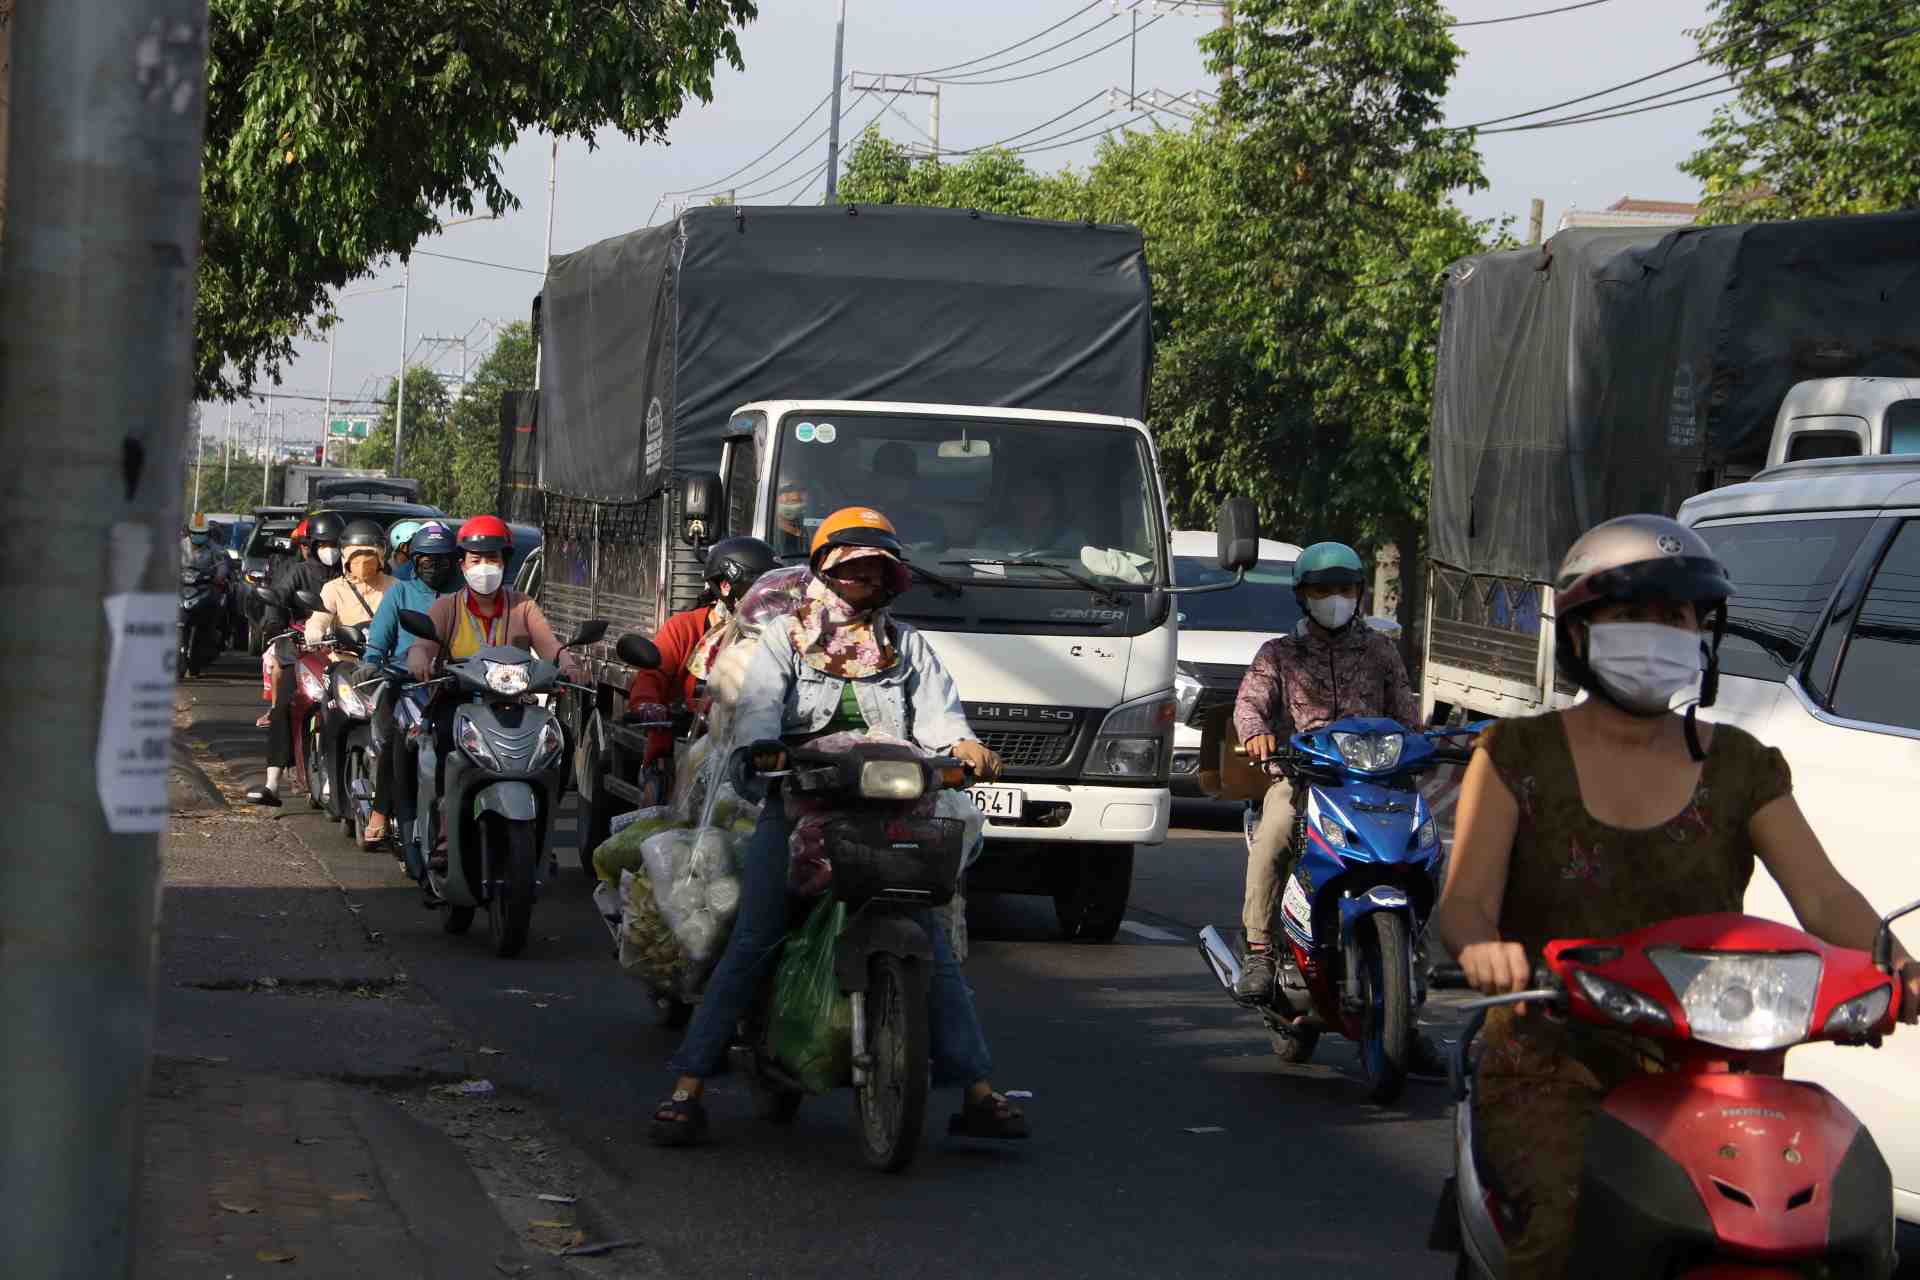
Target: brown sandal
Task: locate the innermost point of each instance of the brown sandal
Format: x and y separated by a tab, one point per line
680	1121
991	1117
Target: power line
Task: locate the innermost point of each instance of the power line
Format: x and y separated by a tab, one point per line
1084	138
1041	53
987	57
718	184
478	262
1058	66
1522	17
1015	137
845	146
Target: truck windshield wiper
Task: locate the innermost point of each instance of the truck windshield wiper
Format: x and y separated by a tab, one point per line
1102	592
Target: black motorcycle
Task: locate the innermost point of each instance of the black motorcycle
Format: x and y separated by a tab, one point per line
203	619
492	797
346	760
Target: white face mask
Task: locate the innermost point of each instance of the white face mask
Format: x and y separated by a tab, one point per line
1644	664
485	578
329	556
1334	612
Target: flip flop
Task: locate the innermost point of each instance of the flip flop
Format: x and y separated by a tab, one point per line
991	1117
680	1121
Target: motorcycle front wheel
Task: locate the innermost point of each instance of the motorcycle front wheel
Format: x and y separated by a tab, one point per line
359	774
515	863
891	1107
1386	1038
314	766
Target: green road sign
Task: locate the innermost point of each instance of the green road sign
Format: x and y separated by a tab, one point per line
351	428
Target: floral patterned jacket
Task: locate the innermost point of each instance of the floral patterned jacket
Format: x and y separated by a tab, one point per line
1298	683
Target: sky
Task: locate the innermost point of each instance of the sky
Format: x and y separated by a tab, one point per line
616	187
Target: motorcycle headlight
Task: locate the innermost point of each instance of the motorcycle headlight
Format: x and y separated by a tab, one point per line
892	780
1621	1003
350	699
1135	739
471	741
1860	1015
1370	752
1186	694
1760	1000
314	687
552	742
508	678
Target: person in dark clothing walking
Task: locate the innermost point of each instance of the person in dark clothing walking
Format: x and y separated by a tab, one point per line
282	610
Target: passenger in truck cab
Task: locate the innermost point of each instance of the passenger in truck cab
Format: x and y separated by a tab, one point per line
1611	816
733	566
893	478
1033	517
841	663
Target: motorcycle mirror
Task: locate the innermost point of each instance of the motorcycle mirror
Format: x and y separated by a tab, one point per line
340	636
636	650
1883	937
417	624
309	601
589	633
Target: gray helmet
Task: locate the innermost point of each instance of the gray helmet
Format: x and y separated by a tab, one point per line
1634	558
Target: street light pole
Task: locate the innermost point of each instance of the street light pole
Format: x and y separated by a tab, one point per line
226	471
106	106
400	397
546	255
326	426
833	125
266	461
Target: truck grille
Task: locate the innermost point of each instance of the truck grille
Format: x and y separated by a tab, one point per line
1025	749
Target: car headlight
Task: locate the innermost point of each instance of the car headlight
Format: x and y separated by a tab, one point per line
471	741
1135	739
552	742
892	780
350	700
1186	694
1758	1000
312	685
1621	1003
1370	752
508	678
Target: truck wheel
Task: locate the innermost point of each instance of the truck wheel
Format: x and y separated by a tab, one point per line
1091	899
596	804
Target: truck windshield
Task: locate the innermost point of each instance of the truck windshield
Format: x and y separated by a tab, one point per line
975	500
1264	602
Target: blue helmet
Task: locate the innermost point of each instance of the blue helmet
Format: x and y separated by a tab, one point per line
432	539
402	533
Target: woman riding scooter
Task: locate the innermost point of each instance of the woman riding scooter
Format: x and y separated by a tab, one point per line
293	575
839	664
1603	819
428	552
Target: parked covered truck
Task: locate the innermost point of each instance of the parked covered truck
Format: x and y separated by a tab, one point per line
980	379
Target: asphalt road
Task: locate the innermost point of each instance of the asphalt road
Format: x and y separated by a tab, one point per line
1168	1140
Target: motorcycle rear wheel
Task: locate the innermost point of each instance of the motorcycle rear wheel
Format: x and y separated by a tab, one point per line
359	752
313	767
891	1107
515	864
1386	1037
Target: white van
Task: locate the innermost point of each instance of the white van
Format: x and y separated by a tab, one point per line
1220	633
1822	660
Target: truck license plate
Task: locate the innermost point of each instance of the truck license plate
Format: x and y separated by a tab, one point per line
999	802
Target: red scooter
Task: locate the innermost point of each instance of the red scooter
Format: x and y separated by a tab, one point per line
311	676
1718	1166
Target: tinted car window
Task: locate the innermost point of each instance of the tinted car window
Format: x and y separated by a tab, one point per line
1877	675
1783	572
1264	602
1903	426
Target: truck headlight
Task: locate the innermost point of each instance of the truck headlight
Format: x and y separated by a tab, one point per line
1186	694
1135	740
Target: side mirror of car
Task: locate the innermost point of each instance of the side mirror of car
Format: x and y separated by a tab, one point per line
589	633
636	650
702	507
1238	526
417	624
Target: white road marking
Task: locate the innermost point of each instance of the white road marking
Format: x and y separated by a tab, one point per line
1150	932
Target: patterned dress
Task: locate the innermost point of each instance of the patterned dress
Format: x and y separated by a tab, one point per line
1540	1077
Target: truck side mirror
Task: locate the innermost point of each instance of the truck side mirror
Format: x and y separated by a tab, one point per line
1238	526
702	507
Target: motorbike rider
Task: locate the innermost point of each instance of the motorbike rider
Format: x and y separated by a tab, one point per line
429	551
1604	818
323	532
1333	666
840	663
733	565
398	561
352	598
203	555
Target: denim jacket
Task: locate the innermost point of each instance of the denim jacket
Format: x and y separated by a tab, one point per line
783	697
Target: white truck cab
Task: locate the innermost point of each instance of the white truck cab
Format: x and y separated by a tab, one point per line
1846	418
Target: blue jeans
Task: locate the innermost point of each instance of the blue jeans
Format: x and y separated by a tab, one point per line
958	1045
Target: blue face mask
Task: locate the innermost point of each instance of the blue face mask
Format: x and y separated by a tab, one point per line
403	571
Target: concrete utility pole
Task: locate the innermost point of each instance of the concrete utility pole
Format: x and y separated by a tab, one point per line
546	255
400	397
266	461
96	294
226	467
1537	221
833	124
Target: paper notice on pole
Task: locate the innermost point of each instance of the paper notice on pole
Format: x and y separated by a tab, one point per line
136	713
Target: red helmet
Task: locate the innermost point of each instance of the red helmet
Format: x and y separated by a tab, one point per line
300	532
488	535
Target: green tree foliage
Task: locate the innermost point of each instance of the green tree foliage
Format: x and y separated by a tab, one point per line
1827	119
451	438
336	129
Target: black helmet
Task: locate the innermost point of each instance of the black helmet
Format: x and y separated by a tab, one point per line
738	560
364	533
325	526
1635	558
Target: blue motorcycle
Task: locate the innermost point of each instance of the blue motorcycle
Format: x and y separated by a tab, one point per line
1369	872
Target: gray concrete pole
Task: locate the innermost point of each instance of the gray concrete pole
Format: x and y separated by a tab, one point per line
96	304
833	124
400	396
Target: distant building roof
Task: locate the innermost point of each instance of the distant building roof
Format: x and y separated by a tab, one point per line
1628	212
1627	204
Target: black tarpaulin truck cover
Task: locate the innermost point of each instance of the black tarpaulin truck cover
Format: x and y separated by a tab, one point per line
650	340
1617	370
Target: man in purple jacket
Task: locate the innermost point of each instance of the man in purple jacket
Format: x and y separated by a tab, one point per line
1333	666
